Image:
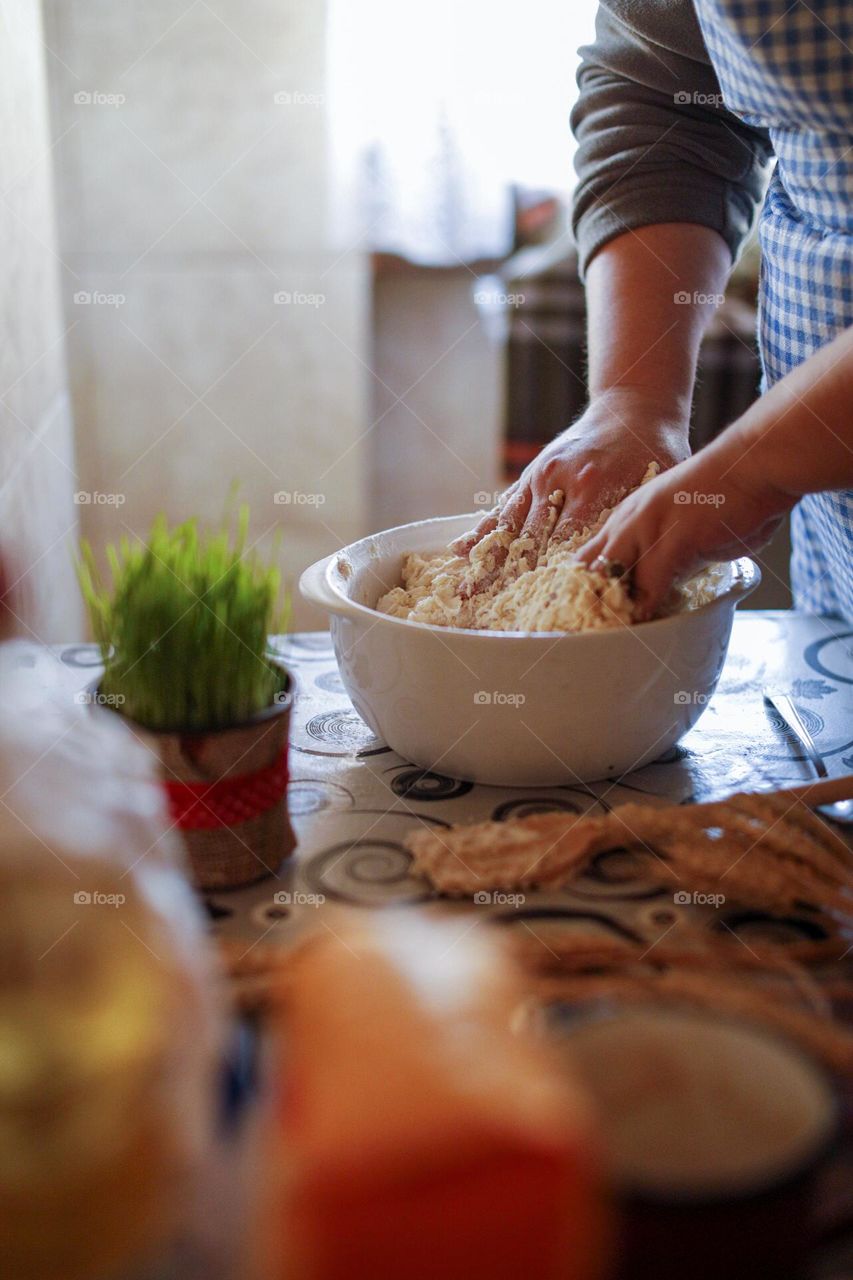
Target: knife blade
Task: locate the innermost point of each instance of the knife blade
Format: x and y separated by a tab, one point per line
796	726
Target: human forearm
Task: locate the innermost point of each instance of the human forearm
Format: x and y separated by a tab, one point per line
798	438
730	497
650	295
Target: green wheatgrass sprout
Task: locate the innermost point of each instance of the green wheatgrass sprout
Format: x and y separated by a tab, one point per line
183	626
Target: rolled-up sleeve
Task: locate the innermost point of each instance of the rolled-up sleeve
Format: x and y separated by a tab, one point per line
655	142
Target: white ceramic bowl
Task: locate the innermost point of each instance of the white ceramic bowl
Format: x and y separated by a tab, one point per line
514	708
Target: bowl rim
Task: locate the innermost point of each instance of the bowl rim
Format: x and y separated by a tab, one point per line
746	577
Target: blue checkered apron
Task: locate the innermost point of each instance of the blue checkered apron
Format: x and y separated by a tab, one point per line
789	68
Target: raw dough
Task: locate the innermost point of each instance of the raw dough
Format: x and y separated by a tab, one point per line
552	593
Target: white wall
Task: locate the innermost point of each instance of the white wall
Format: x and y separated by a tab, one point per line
193	198
438	398
37	517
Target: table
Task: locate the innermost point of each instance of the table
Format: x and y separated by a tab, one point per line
352	801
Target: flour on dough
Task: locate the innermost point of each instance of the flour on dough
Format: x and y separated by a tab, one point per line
504	586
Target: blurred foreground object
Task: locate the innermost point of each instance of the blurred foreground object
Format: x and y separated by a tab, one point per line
6	620
427	1138
714	1130
110	1039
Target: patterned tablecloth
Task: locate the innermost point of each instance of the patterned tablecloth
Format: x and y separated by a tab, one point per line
353	800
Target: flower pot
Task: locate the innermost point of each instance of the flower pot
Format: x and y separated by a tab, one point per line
227	793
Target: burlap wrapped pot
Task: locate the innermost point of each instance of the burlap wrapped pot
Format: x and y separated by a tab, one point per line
227	793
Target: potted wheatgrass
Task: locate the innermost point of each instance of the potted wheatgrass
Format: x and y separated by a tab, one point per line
183	626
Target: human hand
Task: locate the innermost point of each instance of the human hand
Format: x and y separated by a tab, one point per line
595	462
715	506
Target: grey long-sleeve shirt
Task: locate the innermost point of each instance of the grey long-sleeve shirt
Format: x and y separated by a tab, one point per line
655	143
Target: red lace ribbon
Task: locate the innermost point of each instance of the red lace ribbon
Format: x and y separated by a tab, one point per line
204	806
